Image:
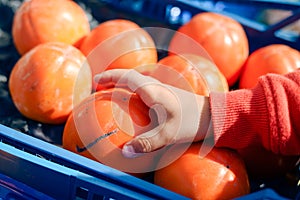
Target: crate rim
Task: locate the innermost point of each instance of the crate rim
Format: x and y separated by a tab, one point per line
260	34
73	161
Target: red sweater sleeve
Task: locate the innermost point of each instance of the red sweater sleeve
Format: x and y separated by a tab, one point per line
268	114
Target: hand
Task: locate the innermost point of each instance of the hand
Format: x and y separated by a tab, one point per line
182	116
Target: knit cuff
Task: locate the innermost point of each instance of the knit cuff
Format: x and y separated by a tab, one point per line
239	117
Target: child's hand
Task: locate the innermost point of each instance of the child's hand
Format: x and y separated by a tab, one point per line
182	115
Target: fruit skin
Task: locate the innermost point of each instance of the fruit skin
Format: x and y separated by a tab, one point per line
222	37
221	174
109	118
40	21
190	72
274	58
48	80
118	43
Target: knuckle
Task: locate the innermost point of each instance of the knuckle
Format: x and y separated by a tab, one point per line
145	145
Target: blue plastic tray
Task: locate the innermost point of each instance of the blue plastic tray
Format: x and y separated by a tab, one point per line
12	189
33	168
244	11
61	174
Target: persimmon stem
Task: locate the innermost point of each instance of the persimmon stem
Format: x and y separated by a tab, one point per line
84	148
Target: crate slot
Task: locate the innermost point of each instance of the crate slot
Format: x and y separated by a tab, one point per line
81	193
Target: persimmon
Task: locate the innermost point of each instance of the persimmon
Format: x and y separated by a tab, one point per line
221	174
102	123
222	37
274	58
190	72
48	80
40	21
118	43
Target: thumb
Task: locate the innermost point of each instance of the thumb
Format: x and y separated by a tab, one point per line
144	143
150	140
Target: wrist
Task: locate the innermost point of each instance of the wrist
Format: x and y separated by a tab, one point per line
205	129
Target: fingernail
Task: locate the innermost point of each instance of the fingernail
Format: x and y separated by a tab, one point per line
97	77
129	152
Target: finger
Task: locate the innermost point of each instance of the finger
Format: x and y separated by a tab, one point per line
144	143
146	87
130	77
113	75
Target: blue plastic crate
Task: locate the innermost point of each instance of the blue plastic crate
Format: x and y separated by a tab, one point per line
41	168
12	189
61	174
174	13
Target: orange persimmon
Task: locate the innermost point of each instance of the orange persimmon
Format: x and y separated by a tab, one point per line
102	123
221	36
221	174
274	58
190	72
118	43
48	80
40	21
